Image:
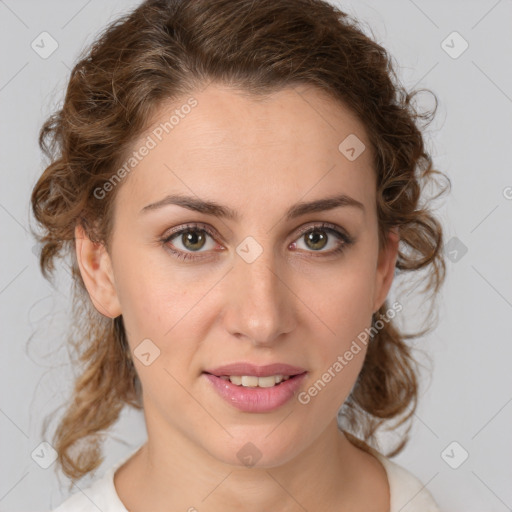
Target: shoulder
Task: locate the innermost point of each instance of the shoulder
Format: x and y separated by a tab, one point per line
100	495
408	493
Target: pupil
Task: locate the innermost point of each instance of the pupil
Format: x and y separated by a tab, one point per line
191	238
317	236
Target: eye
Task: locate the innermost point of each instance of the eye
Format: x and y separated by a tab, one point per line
317	238
189	239
192	238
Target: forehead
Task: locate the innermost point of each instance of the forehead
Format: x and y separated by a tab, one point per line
219	142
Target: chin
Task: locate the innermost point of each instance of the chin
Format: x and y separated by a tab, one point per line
256	450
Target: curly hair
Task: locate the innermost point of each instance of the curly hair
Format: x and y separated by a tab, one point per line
163	50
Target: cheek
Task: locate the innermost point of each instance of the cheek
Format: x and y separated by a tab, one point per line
162	304
145	294
339	353
342	300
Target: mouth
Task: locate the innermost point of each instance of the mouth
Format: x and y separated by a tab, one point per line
253	381
252	370
256	389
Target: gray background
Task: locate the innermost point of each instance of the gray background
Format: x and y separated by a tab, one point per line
467	394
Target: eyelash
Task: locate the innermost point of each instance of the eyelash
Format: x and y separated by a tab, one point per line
327	227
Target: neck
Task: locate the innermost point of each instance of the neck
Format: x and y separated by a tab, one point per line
176	474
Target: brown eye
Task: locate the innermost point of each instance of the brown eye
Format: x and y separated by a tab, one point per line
188	240
324	236
316	239
193	240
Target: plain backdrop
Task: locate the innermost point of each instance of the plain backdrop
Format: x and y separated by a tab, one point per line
460	445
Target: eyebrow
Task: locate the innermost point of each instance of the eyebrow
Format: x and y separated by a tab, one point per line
217	210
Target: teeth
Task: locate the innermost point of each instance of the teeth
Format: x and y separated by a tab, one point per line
250	381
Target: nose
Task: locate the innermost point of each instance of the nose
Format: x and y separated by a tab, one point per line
261	305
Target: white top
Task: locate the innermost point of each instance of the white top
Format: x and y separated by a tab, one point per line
407	492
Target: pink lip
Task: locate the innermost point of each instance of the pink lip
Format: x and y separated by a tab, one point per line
256	400
257	371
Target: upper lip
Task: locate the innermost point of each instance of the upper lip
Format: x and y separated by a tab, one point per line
254	370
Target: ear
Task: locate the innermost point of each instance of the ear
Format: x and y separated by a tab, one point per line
386	268
96	270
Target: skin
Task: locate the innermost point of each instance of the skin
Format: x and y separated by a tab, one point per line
295	303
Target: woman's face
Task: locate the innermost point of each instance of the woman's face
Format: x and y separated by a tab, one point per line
267	279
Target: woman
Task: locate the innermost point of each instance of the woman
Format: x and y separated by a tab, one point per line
233	181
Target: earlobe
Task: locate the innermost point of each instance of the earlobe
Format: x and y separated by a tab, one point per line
96	270
386	268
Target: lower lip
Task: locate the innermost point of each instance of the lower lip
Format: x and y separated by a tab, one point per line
256	399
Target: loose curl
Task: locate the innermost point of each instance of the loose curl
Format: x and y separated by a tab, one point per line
164	50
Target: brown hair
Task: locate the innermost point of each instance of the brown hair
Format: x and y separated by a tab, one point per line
163	50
